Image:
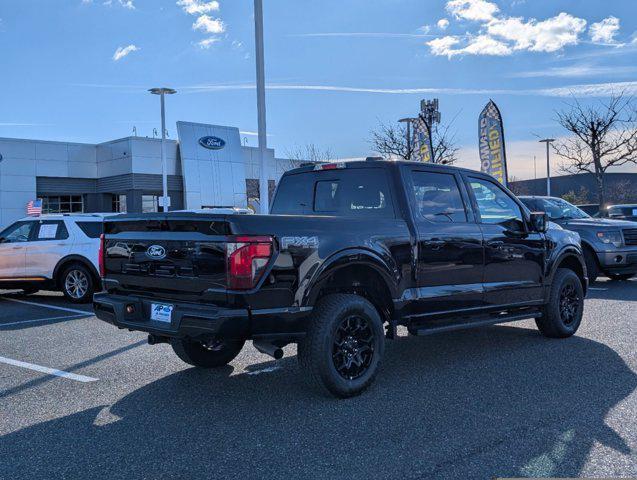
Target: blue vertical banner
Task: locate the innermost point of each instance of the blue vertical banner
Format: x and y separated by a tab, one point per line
423	150
491	136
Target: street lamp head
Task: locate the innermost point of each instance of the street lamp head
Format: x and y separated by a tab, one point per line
162	90
547	140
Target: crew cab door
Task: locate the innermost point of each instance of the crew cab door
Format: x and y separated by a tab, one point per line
49	244
450	256
514	256
12	249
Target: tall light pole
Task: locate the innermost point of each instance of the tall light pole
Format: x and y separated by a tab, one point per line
162	92
258	42
408	121
548	142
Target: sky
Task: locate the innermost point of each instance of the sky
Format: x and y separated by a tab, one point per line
79	70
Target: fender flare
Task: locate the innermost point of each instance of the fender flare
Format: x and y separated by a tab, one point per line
74	258
347	258
566	252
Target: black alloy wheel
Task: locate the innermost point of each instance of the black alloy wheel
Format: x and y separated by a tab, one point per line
353	347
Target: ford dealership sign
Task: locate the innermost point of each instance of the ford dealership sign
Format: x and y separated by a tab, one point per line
212	143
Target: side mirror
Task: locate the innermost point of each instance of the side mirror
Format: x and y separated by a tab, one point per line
539	222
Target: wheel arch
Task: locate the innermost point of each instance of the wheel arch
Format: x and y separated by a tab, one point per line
573	260
360	272
70	259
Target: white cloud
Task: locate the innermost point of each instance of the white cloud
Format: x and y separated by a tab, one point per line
479	45
476	10
443	23
206	43
121	52
577	71
503	35
604	31
198	7
127	4
209	24
425	29
548	35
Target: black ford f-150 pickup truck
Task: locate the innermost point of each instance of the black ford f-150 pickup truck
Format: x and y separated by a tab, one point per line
350	252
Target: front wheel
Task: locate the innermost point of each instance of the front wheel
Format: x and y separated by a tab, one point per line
211	355
344	345
563	314
77	283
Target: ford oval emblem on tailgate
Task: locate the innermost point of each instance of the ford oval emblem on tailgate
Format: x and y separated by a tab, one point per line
156	252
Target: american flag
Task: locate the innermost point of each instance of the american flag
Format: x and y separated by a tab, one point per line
34	207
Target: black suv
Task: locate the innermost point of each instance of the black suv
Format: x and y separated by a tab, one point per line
350	252
610	246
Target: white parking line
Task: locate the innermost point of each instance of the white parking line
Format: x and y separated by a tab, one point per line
50	319
263	370
44	305
47	370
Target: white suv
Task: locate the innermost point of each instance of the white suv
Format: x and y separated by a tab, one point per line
52	252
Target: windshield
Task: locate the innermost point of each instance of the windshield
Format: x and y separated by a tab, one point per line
559	209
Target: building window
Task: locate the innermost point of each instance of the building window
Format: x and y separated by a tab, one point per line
119	204
62	204
150	203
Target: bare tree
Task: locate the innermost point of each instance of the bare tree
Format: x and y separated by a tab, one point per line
309	153
390	141
577	198
603	135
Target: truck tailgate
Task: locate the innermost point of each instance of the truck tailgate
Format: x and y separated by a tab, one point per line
157	253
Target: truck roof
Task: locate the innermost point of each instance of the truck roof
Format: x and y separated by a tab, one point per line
372	162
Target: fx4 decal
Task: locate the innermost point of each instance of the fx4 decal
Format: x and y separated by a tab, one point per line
302	242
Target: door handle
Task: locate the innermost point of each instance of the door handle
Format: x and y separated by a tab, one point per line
16	248
435	243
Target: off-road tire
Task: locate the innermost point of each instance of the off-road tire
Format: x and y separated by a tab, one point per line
195	354
79	271
592	268
316	352
554	323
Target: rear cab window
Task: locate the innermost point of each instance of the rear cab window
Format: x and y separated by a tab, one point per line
350	192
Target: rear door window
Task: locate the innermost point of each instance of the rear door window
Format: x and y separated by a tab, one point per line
438	197
50	230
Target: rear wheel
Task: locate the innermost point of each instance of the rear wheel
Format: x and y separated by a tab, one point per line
209	355
77	283
623	276
563	313
592	269
342	350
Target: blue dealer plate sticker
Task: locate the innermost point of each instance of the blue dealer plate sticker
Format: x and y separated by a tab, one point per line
161	313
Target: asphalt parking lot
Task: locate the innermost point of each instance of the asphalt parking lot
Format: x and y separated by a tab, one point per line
81	399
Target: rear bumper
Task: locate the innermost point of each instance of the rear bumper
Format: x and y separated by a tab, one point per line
202	320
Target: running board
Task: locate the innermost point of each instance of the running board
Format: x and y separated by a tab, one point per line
463	324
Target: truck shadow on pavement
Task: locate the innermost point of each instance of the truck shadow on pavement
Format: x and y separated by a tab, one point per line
498	401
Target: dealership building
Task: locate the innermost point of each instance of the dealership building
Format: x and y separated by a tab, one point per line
207	167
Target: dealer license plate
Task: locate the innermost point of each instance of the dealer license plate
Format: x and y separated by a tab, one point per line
160	312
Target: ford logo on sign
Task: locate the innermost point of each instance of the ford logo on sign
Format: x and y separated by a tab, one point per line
156	252
212	143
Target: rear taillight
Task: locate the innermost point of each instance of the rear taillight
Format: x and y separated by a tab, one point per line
100	257
247	259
